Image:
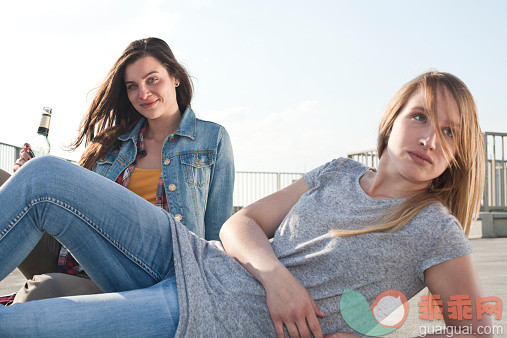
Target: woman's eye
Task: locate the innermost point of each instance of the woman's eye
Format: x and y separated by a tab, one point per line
447	132
131	86
152	79
420	117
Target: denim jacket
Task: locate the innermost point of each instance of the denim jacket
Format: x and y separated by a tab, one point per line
197	168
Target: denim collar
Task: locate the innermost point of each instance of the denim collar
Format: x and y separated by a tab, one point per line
186	127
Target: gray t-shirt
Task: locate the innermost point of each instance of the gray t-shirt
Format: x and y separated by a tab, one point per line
218	297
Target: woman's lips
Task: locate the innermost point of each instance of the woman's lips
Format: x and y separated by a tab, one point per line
149	104
420	158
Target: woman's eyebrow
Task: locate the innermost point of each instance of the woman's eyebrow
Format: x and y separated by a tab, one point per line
144	77
418	108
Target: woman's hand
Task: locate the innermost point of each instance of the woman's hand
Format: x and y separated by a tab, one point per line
291	305
23	157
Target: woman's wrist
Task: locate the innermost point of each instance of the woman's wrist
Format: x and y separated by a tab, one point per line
271	275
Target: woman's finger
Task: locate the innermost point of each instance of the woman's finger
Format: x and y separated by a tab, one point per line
318	312
304	330
26	156
16	166
279	328
25	152
314	325
292	329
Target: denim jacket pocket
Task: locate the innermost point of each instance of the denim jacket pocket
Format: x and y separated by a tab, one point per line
197	167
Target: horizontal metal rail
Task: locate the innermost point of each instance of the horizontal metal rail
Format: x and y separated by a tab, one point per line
248	187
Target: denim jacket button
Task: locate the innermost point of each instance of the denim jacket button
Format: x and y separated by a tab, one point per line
198	161
167	161
171	187
178	217
171	138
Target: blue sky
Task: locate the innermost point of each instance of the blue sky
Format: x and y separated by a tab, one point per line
296	83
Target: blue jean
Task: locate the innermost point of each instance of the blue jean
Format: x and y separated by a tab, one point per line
122	241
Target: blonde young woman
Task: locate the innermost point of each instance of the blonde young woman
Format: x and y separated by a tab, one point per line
344	226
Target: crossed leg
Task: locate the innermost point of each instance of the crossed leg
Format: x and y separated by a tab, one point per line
122	241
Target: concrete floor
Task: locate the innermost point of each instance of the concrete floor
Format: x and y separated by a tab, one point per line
491	257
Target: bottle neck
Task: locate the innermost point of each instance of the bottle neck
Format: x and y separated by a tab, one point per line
43	131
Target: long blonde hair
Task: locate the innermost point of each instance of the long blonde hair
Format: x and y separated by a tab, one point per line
461	185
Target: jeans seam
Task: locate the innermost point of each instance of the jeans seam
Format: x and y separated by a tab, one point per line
89	222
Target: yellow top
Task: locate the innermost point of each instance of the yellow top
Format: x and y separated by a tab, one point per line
143	182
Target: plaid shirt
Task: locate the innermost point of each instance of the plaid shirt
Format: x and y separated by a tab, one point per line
66	262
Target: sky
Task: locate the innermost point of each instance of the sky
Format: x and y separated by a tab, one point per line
295	83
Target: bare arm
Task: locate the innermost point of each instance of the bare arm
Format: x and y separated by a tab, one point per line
457	277
245	237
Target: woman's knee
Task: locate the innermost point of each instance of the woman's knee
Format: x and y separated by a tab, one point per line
4	176
53	285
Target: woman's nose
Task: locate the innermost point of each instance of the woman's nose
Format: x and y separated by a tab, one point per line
144	92
429	139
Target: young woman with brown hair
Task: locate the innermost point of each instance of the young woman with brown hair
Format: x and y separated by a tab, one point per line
141	132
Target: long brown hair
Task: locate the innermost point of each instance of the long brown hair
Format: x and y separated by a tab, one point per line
111	114
461	185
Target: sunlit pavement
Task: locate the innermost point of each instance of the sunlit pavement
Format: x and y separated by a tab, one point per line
491	257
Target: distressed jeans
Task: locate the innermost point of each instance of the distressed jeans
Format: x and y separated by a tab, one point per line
122	241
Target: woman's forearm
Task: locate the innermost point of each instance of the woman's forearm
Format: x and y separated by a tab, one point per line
244	240
245	236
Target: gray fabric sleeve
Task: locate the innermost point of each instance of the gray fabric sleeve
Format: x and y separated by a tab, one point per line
451	243
311	176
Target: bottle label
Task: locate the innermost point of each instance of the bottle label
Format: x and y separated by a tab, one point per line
44	124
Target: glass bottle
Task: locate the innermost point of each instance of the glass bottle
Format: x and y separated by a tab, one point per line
39	144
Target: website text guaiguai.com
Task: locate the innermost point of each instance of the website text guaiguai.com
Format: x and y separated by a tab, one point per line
450	331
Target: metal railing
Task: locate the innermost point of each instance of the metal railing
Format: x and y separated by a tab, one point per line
367	157
251	186
495	189
248	187
8	155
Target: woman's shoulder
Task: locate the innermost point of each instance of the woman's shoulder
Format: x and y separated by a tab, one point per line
211	132
437	212
435	221
341	166
209	125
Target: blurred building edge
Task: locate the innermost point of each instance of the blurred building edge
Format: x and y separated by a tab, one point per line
251	186
492	220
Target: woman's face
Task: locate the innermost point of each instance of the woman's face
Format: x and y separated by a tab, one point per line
151	89
414	151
